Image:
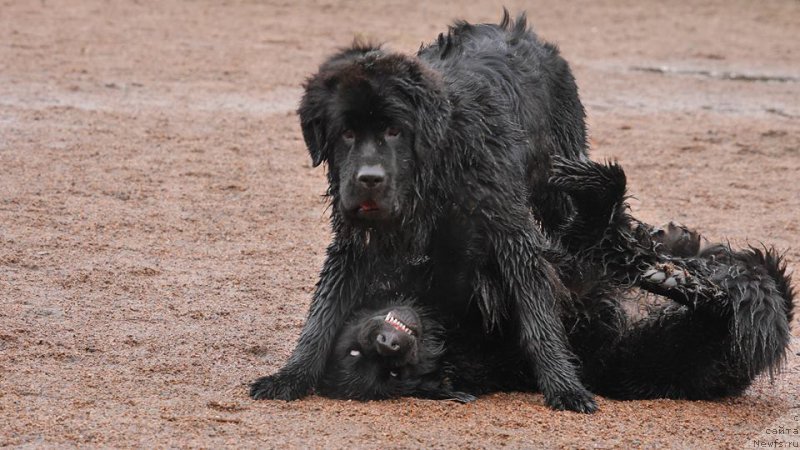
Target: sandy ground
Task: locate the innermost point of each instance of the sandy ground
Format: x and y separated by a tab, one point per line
161	228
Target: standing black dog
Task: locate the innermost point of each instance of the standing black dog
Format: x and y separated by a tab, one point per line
439	164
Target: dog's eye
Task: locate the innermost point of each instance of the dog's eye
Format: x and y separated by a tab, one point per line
348	135
355	352
393	374
392	132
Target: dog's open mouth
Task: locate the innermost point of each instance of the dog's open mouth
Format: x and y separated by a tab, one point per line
368	206
398	324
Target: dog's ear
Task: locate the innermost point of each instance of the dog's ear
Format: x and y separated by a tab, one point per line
432	108
313	119
315	107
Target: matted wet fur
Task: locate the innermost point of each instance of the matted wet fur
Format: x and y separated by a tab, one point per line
437	170
729	324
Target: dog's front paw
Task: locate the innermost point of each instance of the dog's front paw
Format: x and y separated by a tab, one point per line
278	387
581	401
665	275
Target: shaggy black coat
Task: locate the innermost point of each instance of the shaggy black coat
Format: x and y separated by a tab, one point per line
729	323
730	310
438	169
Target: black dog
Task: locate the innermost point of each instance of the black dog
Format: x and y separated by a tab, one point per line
732	325
389	352
438	169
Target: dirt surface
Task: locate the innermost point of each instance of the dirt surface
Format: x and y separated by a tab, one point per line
161	228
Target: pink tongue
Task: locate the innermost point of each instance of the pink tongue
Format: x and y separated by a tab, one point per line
369	205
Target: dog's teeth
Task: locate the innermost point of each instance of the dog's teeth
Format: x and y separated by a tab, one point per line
390	318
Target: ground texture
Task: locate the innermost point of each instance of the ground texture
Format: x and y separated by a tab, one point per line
161	228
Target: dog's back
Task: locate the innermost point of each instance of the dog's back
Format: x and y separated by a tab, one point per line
506	66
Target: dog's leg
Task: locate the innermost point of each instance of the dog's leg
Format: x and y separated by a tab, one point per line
335	298
598	195
713	347
603	234
637	255
736	309
531	287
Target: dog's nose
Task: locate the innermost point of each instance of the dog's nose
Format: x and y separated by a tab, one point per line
387	343
371	176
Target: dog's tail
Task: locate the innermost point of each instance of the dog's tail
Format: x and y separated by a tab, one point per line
764	311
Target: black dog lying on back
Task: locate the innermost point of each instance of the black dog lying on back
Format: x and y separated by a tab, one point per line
729	321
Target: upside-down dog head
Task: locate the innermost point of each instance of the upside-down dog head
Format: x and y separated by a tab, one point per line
374	117
384	353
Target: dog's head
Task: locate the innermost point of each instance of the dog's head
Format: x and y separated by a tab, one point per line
384	353
374	117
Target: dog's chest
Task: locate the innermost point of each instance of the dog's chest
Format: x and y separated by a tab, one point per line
407	276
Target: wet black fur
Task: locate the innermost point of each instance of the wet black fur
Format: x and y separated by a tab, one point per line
371	376
482	110
729	323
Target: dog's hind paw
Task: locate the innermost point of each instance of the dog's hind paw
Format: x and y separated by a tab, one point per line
463	397
589	183
568	175
584	175
665	275
278	387
579	401
440	393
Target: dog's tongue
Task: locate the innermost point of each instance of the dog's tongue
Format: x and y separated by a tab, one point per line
369	205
